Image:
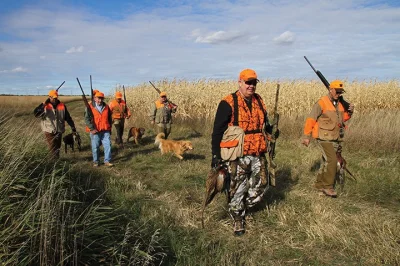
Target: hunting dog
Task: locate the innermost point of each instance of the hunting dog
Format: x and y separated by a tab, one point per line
71	139
135	133
177	147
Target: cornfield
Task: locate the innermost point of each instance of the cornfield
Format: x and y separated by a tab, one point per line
200	98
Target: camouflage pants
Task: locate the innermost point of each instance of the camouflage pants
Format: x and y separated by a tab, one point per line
248	183
327	171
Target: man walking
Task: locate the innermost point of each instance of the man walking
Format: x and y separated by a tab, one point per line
119	112
325	123
98	122
54	113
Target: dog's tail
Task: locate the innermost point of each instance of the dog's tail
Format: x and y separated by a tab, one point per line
159	137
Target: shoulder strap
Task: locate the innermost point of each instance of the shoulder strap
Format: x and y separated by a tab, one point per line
260	104
235	110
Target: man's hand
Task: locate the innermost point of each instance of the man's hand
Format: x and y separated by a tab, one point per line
351	108
152	122
94	131
216	161
305	142
128	116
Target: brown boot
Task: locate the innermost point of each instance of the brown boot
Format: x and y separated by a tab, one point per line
330	192
238	226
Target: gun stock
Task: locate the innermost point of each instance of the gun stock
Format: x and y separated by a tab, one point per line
345	104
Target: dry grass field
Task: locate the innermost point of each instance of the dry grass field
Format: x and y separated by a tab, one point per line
146	209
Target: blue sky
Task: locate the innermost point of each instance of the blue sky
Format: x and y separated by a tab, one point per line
43	43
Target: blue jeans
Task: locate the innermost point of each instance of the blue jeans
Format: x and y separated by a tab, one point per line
103	137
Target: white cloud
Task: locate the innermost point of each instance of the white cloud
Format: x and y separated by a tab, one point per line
216	37
159	42
15	70
75	50
285	38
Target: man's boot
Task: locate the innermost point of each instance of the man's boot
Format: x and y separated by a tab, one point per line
238	226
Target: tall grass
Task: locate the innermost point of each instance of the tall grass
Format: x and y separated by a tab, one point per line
55	213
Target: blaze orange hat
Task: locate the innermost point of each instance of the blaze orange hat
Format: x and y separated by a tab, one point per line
336	84
118	95
53	94
95	91
248	74
163	93
99	94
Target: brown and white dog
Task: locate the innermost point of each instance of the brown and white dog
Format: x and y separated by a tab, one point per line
135	133
71	139
177	147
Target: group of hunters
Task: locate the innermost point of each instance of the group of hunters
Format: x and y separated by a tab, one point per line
241	114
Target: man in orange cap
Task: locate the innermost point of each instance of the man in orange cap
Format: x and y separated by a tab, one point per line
242	114
54	113
161	114
325	123
119	112
98	122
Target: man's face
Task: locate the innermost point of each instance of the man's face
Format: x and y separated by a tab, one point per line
247	88
118	100
53	100
336	93
98	100
163	99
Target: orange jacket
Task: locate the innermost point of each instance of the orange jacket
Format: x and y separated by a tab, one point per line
100	120
325	120
119	110
251	122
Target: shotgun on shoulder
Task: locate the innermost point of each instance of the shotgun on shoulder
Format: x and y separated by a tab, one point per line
171	103
345	104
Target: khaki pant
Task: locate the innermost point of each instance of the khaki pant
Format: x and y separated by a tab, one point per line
164	128
54	143
327	171
119	125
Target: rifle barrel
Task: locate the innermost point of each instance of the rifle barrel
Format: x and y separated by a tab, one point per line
60	85
310	64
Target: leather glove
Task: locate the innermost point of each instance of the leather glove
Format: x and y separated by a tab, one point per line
216	161
47	101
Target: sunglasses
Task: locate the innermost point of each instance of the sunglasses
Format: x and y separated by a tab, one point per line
339	92
251	82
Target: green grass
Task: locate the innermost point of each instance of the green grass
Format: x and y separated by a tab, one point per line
146	209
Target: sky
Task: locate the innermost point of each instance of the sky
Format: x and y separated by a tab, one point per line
119	42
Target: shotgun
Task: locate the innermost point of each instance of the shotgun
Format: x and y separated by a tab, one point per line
86	101
345	104
126	105
60	86
173	105
91	88
272	143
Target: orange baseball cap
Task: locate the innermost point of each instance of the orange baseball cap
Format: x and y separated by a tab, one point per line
95	91
118	95
248	74
99	94
163	93
336	84
53	94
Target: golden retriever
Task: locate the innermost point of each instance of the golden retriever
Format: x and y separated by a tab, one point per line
177	147
136	134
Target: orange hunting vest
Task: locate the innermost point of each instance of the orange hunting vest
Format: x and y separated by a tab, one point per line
100	119
330	121
251	122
